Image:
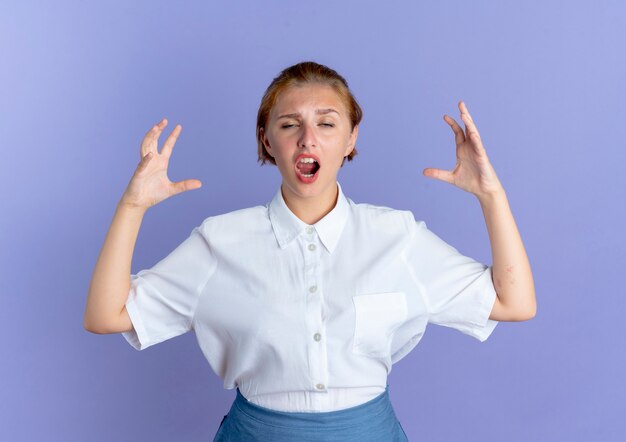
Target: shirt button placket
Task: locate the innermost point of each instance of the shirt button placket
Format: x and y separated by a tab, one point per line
314	302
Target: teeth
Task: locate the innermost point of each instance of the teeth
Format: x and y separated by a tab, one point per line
308	175
307	160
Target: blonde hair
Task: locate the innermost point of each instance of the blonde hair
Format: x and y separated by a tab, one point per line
306	72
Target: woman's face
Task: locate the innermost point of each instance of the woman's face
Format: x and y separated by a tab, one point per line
309	121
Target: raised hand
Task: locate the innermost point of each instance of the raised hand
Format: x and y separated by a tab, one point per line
473	171
150	184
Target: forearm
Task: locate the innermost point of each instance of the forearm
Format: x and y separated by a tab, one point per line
110	282
512	276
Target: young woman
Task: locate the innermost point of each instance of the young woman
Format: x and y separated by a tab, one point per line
304	304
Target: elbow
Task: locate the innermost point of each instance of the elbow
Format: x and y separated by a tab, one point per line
102	326
528	316
90	327
93	327
89	323
532	310
521	311
520	316
528	313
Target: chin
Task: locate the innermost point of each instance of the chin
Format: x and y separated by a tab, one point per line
317	188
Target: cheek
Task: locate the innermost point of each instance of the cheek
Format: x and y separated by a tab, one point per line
272	140
282	160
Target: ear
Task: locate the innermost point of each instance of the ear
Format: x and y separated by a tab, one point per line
352	141
266	142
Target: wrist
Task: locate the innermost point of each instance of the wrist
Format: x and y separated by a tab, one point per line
129	206
489	197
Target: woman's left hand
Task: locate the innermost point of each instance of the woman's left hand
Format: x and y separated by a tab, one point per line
473	171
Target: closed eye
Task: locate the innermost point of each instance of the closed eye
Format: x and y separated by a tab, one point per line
287	126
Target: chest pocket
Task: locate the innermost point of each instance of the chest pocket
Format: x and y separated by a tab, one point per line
377	316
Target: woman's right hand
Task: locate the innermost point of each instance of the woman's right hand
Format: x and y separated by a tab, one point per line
150	184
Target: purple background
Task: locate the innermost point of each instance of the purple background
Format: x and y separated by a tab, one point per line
80	84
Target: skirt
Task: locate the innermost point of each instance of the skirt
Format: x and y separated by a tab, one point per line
374	420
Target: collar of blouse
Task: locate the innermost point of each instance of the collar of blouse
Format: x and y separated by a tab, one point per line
287	226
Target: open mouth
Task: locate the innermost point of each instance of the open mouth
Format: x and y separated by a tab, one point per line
307	167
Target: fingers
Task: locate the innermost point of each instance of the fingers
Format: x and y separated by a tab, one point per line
149	142
183	186
470	127
440	174
459	136
171	140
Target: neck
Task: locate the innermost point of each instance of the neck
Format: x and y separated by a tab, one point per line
311	210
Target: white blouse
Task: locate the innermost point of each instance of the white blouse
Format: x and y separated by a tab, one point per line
309	317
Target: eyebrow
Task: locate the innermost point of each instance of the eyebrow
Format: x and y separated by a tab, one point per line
318	111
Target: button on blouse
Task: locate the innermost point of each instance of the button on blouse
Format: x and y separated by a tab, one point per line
309	317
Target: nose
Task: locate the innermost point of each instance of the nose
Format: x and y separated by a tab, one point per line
307	137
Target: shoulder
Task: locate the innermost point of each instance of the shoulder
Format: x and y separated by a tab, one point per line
237	219
384	216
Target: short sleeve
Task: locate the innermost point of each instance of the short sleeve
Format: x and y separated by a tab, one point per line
162	300
458	291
